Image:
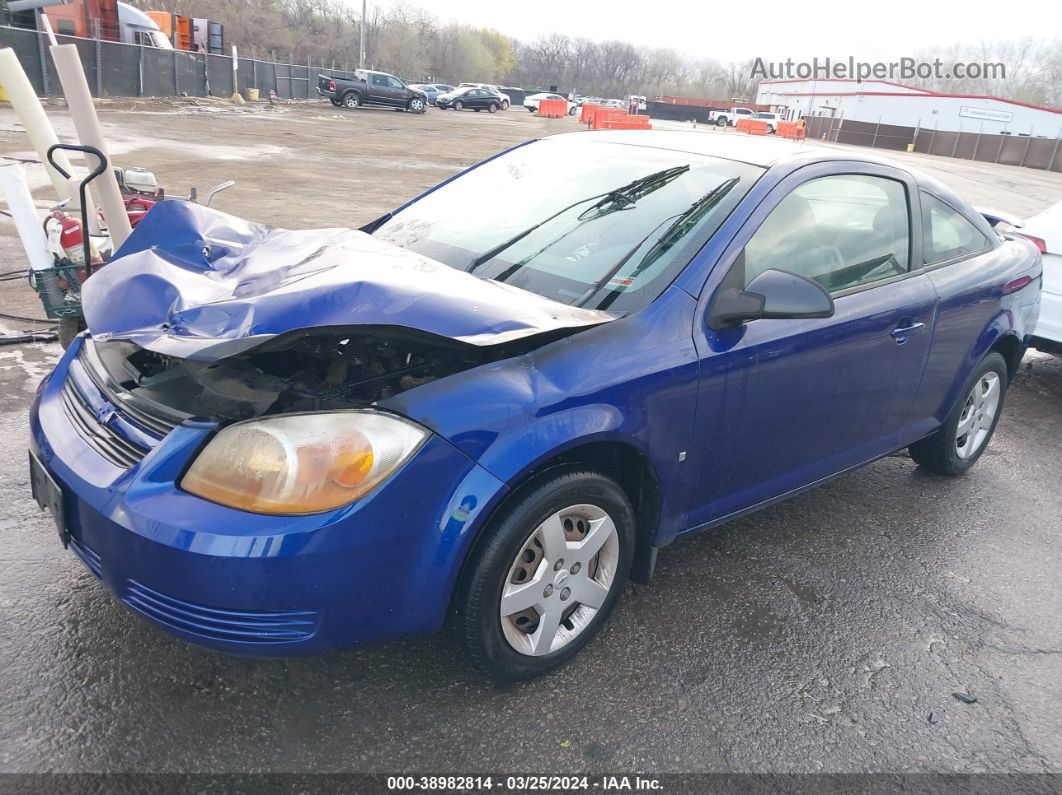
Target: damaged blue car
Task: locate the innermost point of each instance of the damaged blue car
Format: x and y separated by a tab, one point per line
494	405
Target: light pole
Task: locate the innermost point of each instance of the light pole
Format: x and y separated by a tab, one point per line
361	50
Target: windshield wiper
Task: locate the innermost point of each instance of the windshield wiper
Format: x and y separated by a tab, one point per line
682	224
628	195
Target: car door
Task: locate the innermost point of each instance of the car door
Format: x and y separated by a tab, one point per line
379	91
783	404
397	92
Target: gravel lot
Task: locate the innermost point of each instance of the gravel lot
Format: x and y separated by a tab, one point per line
827	633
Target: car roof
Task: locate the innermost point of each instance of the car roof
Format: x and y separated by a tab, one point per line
756	150
760	150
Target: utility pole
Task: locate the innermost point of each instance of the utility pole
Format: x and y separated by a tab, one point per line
361	50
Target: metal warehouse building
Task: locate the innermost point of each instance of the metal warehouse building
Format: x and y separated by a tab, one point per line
885	102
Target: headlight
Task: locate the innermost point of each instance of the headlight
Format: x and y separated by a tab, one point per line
302	463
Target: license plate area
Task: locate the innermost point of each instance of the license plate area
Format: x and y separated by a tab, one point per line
49	496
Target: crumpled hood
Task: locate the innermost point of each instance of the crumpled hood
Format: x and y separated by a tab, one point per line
200	284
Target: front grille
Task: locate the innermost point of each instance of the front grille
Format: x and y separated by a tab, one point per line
245	626
88	557
156	419
106	441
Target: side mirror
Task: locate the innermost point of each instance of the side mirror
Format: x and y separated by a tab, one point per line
774	294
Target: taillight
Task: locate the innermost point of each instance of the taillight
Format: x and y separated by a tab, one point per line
1038	242
331	85
1017	284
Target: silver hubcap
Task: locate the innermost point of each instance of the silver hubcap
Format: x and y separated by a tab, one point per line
351	101
978	414
559	580
417	104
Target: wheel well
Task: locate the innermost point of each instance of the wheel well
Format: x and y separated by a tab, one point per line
1010	348
623	463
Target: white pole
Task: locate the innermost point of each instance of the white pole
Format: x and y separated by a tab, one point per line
27	221
40	131
87	124
361	52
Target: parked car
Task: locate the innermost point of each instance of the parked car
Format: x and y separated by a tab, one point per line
1045	232
728	118
430	91
372	89
506	100
476	99
772	119
496	403
531	101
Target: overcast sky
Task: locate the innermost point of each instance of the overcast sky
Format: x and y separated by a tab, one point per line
775	29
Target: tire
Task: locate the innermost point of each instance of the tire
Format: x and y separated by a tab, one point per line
561	501
770	129
69	328
572	110
416	105
721	121
351	100
335	102
531	110
505	104
951	452
492	108
459	105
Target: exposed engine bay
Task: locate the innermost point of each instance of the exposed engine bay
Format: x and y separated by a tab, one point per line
308	370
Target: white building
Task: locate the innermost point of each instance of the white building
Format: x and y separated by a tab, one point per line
894	103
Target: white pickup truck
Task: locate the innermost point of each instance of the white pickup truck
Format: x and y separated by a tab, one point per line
728	118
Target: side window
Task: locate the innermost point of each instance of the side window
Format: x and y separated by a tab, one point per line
379	80
947	232
842	231
394	82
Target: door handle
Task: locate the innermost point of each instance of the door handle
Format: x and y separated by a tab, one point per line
903	332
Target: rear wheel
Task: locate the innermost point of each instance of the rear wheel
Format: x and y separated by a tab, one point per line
550	572
721	121
351	100
532	110
335	102
492	108
770	129
963	437
459	105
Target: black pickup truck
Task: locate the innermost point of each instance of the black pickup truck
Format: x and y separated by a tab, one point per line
372	89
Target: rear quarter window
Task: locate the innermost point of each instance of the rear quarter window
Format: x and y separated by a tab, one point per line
948	234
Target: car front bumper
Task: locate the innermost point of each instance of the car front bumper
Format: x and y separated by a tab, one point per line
253	584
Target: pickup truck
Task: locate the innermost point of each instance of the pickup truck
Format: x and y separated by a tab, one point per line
728	118
372	89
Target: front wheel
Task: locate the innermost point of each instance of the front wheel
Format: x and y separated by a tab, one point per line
532	110
963	437
459	105
505	104
416	105
770	129
549	573
720	122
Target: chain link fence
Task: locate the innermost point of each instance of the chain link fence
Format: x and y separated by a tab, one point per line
114	69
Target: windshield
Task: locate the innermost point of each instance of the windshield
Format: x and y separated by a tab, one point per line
582	221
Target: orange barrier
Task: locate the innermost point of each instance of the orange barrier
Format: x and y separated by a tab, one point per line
794	130
553	108
751	126
586	111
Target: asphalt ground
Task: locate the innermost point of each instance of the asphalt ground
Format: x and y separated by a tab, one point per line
825	634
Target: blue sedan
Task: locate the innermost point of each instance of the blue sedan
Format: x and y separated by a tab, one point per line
495	404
